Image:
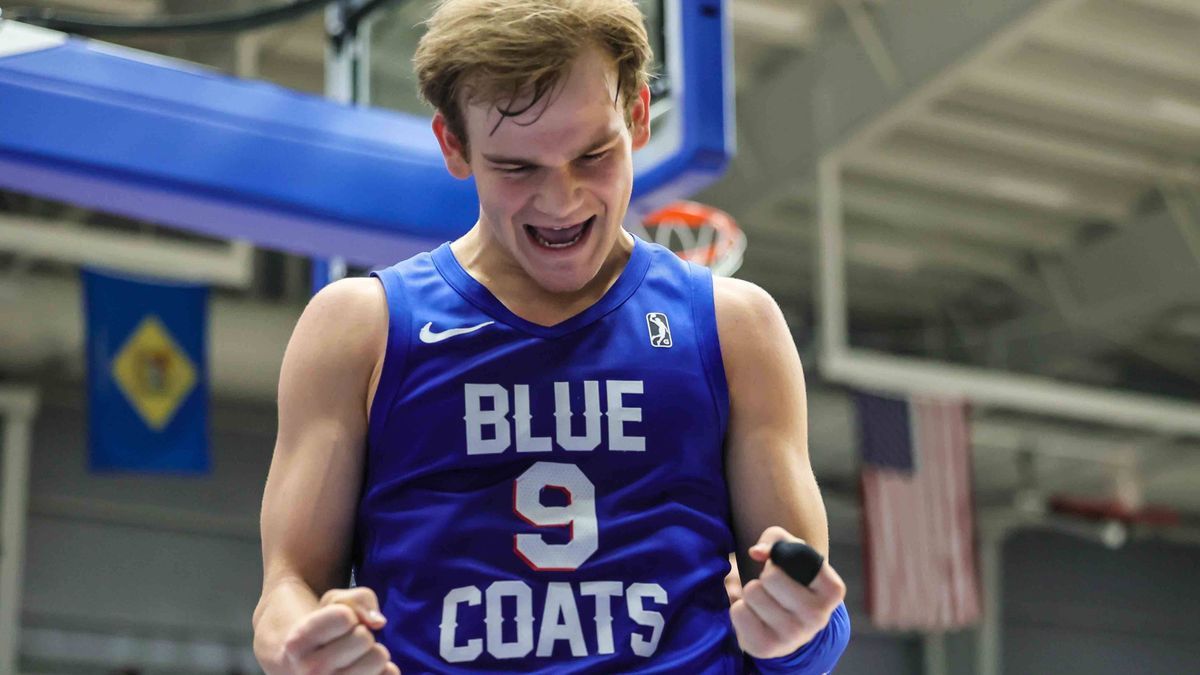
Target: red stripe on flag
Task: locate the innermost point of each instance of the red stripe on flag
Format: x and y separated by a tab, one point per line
919	528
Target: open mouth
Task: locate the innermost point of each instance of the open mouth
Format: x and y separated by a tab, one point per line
560	238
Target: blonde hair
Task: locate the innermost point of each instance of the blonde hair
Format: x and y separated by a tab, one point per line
497	50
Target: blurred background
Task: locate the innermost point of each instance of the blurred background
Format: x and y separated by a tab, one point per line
1010	198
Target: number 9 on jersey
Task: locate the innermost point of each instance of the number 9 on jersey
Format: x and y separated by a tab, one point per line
579	515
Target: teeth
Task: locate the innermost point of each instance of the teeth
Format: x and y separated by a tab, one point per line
574	240
567	227
565	244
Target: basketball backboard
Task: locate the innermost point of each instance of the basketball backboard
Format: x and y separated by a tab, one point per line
692	87
249	160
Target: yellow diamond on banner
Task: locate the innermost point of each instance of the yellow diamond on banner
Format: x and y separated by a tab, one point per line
154	373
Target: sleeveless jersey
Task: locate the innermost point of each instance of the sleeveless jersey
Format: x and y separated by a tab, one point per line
549	499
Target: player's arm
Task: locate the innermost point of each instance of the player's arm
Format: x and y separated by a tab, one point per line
304	622
773	491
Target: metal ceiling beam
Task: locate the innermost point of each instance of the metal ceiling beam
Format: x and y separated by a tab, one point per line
1020	392
1188	7
840	362
989	221
953	36
874	245
991	177
834	94
1089	156
1123	35
870	300
1128	109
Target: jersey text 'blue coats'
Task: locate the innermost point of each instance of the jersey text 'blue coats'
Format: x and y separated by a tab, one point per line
549	499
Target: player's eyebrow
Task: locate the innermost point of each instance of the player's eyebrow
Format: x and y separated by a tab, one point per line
604	139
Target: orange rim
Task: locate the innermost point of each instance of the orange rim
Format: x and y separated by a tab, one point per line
696	216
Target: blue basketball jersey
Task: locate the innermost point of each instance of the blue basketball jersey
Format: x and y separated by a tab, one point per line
549	499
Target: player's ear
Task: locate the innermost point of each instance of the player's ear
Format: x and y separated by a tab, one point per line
453	149
639	116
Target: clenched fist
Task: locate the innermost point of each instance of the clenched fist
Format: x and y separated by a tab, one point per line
776	615
336	639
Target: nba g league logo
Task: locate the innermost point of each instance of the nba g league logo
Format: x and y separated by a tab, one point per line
660	330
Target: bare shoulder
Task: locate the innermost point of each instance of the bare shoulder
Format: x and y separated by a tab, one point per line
357	302
738	298
340	337
349	314
748	318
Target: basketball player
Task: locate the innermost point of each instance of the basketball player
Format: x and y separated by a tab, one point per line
536	446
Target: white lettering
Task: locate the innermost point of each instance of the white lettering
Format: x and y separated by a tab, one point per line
451	652
618	415
604	592
560	621
477	418
490	431
590	439
496	645
526	441
643	617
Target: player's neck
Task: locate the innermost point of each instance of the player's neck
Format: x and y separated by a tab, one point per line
507	280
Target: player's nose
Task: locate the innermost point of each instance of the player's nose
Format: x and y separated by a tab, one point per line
559	194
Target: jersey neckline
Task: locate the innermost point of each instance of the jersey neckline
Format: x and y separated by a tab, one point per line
479	295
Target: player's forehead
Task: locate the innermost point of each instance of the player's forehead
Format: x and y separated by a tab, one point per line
582	106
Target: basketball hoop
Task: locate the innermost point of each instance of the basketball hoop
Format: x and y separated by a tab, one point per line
698	233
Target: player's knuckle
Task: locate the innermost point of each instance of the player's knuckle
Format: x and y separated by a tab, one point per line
361	638
327	661
792	632
838	586
740	612
755	594
293	642
373	661
346	615
364	593
313	665
777	532
775	580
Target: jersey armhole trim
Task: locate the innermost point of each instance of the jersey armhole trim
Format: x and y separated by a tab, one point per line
395	357
704	317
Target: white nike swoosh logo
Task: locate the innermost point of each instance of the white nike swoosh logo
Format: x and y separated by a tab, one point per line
429	337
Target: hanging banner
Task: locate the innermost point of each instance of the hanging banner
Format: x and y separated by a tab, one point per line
147	375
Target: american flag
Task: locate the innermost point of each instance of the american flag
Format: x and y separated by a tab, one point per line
918	515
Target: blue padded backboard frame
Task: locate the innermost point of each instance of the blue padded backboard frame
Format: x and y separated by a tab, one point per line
152	138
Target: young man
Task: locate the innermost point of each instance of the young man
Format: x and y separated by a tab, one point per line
537	445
